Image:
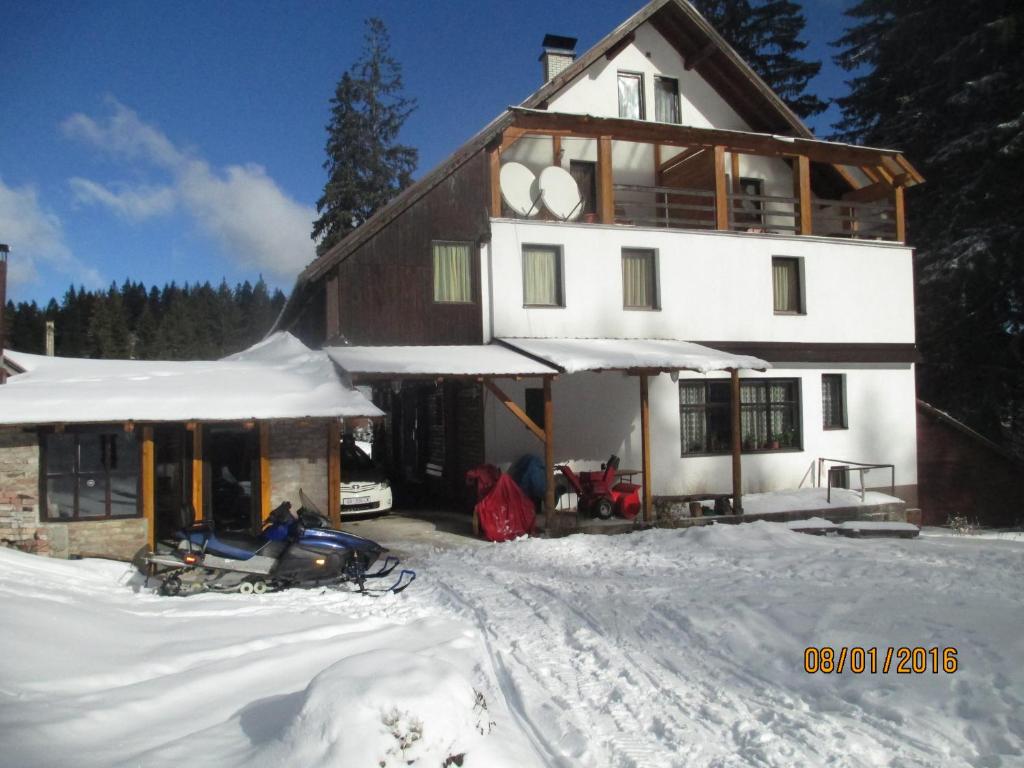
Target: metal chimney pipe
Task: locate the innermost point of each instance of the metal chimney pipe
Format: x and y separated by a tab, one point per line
50	327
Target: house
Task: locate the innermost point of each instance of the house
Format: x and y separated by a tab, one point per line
105	457
650	249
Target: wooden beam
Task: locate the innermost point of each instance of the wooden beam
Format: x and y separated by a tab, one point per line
510	136
264	470
868	194
901	214
692	62
737	476
334	472
802	192
605	189
332	311
494	158
149	485
549	455
197	471
518	412
645	447
734	163
620	45
721	190
556	150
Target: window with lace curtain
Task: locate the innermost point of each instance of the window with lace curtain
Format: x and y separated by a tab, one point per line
542	276
769	416
833	401
786	288
639	278
452	273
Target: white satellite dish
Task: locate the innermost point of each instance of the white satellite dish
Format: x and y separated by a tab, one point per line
559	193
518	189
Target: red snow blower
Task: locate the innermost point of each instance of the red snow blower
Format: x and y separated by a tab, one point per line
597	494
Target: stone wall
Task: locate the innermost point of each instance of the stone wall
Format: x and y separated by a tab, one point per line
118	539
298	460
19	491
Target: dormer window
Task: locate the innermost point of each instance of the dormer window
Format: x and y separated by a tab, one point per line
666	100
631	95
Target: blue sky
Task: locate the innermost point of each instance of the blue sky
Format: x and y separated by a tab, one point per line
184	141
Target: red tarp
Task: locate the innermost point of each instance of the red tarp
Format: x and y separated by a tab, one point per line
506	512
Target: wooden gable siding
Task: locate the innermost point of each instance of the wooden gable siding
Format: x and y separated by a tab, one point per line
385	286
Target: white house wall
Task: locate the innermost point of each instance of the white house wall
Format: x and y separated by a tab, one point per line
713	286
597	414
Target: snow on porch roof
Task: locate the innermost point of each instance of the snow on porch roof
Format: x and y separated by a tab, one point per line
437	361
575	355
278	378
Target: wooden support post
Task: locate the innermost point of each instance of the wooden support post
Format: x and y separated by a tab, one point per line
737	477
334	473
734	164
721	190
549	456
149	485
802	182
264	470
901	215
516	411
605	188
645	447
197	470
494	155
556	150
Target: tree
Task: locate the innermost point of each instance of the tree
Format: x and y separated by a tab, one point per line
365	165
953	99
766	34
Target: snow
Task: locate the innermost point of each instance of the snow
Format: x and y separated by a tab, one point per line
450	360
575	355
879	525
805	499
277	378
660	648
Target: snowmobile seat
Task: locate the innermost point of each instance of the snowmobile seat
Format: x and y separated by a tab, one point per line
237	545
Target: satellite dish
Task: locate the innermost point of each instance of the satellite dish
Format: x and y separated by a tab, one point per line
518	189
559	193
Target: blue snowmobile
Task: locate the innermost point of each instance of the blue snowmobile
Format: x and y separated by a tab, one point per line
294	549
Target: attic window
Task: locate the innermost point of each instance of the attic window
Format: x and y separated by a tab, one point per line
631	95
666	100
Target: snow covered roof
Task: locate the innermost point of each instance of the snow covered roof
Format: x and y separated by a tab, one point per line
575	355
275	379
432	361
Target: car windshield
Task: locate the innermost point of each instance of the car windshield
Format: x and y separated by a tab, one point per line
353	457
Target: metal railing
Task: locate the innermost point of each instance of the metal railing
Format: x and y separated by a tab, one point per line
843	468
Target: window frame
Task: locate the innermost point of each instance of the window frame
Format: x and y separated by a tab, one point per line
77	474
677	102
639	77
797	404
587	169
844	422
433	272
655	305
559	276
801	299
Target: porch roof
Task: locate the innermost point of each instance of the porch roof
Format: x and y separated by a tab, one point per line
450	361
279	378
634	355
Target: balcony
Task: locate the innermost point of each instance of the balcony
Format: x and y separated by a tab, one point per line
634	173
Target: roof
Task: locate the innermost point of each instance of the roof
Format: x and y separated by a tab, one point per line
278	378
656	355
437	361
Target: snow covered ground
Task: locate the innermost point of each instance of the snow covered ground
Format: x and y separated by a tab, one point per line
662	648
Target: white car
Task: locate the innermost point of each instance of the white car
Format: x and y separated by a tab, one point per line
365	489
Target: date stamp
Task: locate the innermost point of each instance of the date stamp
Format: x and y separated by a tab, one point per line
828	660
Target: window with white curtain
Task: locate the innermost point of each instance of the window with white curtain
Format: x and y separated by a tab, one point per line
639	278
631	95
666	100
452	273
786	289
542	276
833	401
769	416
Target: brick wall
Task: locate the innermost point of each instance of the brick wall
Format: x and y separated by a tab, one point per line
298	460
19	490
118	539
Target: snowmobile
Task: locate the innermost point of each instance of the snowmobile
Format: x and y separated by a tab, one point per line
293	549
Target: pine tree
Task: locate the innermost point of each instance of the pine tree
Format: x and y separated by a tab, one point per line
366	166
766	34
953	100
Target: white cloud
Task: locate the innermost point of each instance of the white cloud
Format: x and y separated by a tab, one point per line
132	203
239	207
36	237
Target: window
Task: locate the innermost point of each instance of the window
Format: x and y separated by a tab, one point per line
542	276
833	401
666	100
584	173
452	270
769	416
639	279
90	474
749	212
786	285
535	406
631	95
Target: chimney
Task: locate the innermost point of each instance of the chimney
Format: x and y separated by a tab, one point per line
49	338
559	52
4	251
